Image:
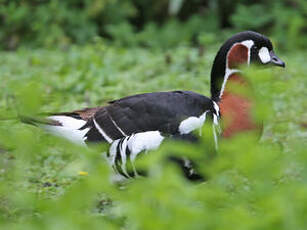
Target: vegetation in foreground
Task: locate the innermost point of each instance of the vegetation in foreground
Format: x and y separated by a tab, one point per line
47	183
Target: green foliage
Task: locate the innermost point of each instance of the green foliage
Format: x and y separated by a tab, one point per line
47	183
253	184
162	23
171	34
285	19
253	17
48	23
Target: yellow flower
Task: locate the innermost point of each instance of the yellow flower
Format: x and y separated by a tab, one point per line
83	173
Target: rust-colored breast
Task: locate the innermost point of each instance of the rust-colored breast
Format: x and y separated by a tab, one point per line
236	110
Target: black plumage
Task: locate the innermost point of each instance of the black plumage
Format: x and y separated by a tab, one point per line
159	111
219	64
139	123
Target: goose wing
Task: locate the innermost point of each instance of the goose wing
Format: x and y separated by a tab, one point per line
167	112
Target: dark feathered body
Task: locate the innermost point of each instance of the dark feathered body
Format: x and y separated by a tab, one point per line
141	122
160	111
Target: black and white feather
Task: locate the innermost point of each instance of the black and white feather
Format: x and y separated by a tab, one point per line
140	123
137	123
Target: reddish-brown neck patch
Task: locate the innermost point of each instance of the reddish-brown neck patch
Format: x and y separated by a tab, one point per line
236	108
237	55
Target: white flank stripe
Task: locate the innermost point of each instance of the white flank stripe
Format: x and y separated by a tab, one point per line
108	139
143	142
192	123
136	143
123	148
112	152
132	156
119	129
112	156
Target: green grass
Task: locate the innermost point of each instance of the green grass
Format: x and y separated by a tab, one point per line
253	185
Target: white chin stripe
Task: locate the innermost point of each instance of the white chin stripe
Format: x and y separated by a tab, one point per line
248	43
264	55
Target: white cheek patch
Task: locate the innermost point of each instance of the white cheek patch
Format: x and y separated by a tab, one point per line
264	55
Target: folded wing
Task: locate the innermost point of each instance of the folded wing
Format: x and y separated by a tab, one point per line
161	111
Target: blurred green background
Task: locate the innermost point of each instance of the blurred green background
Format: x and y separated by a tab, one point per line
150	23
63	55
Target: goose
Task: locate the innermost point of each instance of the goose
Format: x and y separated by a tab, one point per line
138	123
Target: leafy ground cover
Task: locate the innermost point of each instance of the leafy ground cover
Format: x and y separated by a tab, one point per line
47	183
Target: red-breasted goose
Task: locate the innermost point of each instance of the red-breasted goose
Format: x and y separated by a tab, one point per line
141	122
